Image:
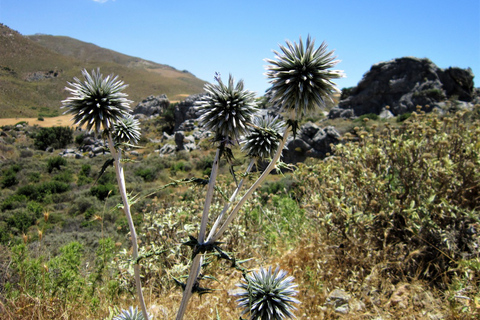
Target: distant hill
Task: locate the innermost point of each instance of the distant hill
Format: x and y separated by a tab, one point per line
34	71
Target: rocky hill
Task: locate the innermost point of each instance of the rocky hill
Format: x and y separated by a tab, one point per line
35	69
402	84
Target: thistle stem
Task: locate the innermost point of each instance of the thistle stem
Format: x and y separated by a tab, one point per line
197	260
126	208
209	197
250	191
230	201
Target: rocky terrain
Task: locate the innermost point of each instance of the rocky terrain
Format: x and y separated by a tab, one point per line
402	84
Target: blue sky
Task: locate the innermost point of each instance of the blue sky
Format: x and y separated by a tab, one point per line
235	37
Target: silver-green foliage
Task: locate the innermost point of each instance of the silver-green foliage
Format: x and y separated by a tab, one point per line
267	295
301	77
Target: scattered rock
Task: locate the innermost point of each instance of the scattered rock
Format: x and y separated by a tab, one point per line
311	141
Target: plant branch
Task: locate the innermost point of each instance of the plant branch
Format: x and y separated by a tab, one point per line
230	201
126	208
250	191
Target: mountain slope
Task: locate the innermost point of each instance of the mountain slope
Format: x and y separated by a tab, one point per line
35	69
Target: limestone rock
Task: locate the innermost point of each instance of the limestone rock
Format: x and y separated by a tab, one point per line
403	84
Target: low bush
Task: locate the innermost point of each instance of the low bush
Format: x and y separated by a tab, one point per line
56	163
102	191
409	193
55	137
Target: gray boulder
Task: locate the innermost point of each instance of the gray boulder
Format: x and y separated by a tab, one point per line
152	106
311	141
403	84
187	110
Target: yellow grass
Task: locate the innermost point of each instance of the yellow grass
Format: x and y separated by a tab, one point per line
47	122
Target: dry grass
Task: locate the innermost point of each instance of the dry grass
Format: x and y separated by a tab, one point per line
47	122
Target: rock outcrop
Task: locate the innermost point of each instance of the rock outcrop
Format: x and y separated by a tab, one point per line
403	84
151	106
311	141
186	113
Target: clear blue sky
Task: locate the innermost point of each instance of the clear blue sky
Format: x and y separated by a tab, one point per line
235	36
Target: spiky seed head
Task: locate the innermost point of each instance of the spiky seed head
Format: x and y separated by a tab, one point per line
127	130
227	109
301	78
267	295
96	102
130	314
264	138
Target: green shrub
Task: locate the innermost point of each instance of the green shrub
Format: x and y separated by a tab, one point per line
21	220
8	180
79	139
55	137
148	174
64	277
9	176
102	191
34	177
346	92
370	116
410	192
86	170
37	192
180	166
64	176
56	163
404	116
14	201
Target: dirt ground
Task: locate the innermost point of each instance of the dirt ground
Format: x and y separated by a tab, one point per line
47	122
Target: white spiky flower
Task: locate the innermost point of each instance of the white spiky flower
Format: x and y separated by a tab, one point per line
264	138
130	314
96	102
301	77
268	295
227	109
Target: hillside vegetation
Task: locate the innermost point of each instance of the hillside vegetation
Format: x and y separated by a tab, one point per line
390	219
35	69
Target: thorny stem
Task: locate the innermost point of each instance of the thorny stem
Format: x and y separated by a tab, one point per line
126	208
197	260
230	201
250	191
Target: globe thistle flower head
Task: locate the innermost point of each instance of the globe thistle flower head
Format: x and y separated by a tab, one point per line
264	138
130	314
301	78
126	130
268	295
227	109
96	102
